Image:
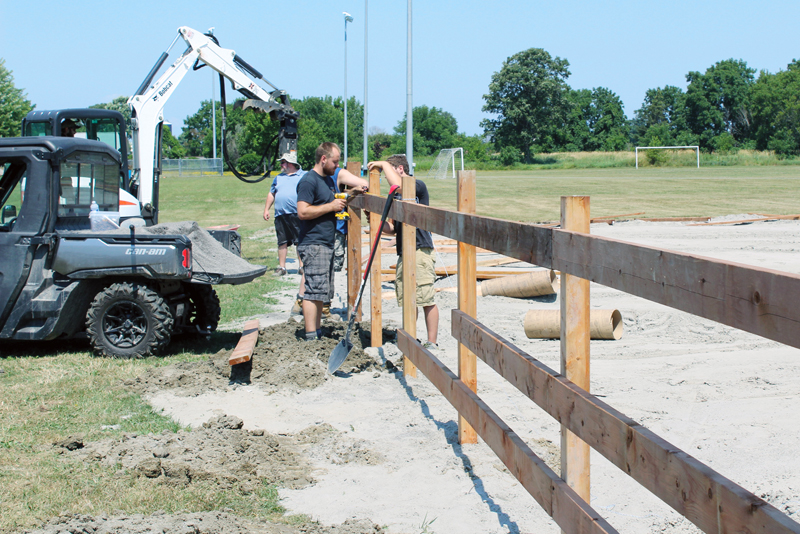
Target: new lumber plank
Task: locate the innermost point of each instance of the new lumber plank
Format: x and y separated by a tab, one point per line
244	348
709	500
742	221
759	301
525	242
560	501
756	300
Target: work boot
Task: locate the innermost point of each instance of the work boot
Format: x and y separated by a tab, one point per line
297	307
326	311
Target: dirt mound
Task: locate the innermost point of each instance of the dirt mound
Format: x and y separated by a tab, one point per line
282	359
221	452
194	523
323	442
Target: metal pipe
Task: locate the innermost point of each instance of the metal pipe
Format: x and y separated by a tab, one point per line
347	18
365	157
409	102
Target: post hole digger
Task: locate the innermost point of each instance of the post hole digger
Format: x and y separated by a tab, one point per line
339	354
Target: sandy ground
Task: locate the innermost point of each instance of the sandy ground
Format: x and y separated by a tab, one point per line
724	396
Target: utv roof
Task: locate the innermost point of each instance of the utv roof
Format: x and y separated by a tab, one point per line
66	145
60	114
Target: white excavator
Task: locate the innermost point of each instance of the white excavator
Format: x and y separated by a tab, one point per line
139	185
127	288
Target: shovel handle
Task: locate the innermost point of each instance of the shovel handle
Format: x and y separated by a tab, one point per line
384	215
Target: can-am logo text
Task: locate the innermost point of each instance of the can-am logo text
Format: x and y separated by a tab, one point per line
145	251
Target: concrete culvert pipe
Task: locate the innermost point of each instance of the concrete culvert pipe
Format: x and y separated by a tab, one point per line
546	324
533	284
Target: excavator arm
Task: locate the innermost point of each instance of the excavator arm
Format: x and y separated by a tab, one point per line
147	106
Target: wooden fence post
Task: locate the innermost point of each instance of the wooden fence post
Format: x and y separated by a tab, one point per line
375	298
575	346
467	284
409	245
353	259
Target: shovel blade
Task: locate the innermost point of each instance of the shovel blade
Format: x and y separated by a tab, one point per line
339	355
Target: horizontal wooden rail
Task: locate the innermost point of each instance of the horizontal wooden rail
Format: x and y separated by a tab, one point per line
560	501
703	496
756	300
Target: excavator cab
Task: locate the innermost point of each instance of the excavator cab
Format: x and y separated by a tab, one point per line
102	125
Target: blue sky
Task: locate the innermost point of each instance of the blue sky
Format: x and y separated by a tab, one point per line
79	53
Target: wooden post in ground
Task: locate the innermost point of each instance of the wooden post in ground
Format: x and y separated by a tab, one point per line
376	304
575	346
467	285
409	245
353	259
353	244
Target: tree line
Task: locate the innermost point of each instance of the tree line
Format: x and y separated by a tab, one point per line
533	110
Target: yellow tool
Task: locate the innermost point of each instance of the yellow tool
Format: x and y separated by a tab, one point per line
342	215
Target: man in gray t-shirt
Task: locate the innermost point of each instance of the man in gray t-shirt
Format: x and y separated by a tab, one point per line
316	208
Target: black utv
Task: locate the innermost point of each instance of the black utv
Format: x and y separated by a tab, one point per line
127	289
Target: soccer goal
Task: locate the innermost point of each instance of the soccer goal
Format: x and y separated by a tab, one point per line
445	161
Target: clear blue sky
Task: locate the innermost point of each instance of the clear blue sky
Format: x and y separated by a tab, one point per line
75	54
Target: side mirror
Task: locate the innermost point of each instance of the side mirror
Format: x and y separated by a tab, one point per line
9	212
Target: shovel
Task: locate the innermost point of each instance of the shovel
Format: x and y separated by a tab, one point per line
339	354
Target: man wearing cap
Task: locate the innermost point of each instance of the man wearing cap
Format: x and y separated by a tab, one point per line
68	128
283	194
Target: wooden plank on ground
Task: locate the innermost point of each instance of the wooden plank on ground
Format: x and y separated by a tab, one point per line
741	221
560	501
706	498
601	218
244	348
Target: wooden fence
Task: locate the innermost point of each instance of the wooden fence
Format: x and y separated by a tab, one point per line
756	300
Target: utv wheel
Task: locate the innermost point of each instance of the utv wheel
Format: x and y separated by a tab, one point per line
128	321
205	307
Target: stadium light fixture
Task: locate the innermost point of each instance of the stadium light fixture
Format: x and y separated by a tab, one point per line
347	18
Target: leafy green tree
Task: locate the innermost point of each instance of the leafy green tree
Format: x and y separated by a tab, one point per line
596	121
475	148
171	147
718	101
434	129
529	95
662	115
775	101
13	104
118	104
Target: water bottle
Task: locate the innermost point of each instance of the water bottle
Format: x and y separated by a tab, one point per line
94	216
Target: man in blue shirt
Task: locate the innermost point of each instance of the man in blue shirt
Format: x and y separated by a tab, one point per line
283	194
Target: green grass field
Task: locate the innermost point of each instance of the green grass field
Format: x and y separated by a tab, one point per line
52	390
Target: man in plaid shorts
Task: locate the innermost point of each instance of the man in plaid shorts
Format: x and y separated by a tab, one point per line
316	208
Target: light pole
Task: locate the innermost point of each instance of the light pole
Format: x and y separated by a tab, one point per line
213	110
409	102
366	153
347	18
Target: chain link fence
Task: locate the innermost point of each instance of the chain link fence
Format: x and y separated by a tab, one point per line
190	166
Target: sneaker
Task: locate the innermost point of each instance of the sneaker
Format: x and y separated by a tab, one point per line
326	311
280	271
430	345
297	307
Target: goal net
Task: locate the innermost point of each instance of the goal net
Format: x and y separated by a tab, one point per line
444	166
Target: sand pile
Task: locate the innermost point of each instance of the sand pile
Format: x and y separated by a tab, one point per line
282	360
195	523
221	452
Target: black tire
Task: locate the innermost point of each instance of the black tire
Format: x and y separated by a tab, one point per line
128	320
205	307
